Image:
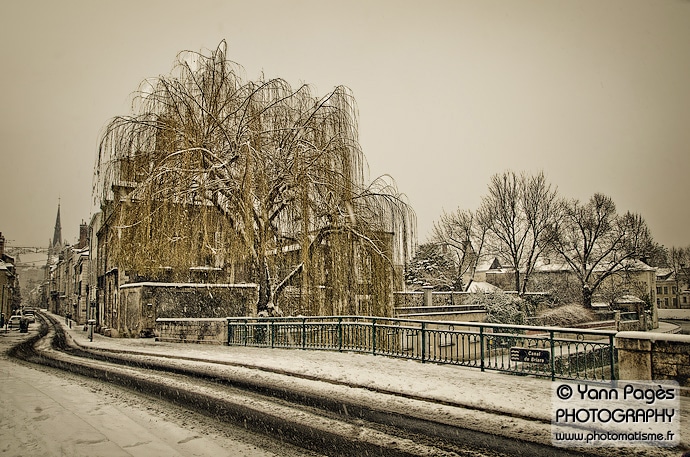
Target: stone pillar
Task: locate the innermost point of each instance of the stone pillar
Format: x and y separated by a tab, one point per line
428	301
617	318
634	356
654	356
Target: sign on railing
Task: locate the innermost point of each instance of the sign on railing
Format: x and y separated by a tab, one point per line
520	354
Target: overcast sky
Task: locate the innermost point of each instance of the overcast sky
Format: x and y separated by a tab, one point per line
594	93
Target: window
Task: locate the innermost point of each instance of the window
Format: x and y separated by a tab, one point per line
658	290
665	290
685	299
673	289
675	302
666	302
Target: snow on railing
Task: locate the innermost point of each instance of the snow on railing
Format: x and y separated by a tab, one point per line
555	352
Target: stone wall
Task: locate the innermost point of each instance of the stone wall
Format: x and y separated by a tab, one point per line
429	297
142	303
210	331
625	326
654	356
445	316
415	299
674	314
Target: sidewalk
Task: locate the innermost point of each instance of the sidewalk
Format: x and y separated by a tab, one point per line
518	404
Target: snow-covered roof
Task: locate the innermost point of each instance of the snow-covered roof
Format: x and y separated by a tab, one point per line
628	299
637	265
481	286
186	284
549	265
495	264
664	274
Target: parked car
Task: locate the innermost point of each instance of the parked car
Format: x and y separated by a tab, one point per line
29	314
14	321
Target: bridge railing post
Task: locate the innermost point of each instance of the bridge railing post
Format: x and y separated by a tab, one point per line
612	358
340	334
552	358
304	333
481	347
424	337
373	336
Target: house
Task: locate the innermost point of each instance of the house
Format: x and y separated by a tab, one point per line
632	277
68	277
481	286
671	292
138	277
9	282
126	263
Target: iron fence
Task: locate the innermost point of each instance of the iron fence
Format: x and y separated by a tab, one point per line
563	353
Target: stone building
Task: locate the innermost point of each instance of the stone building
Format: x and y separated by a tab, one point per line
9	282
633	277
671	291
68	277
128	296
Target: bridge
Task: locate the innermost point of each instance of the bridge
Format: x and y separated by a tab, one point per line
27	256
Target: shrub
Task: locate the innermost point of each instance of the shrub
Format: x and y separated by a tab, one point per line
566	316
501	308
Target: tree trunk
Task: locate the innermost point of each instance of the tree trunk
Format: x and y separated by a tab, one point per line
264	282
587	296
518	289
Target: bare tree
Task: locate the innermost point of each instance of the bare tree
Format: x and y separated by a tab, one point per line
657	256
464	238
250	175
679	263
517	214
597	242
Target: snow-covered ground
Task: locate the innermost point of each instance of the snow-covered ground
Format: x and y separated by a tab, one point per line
48	413
504	404
520	396
499	403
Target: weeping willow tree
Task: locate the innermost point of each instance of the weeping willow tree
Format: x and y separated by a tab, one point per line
253	178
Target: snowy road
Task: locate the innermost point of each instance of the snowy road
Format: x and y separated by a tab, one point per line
47	412
303	423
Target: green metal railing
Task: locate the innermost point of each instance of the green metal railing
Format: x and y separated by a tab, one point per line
558	353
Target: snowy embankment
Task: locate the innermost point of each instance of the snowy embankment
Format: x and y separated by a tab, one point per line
515	407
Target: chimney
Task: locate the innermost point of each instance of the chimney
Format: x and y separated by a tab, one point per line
83	235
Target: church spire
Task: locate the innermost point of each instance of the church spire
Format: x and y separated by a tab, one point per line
57	234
